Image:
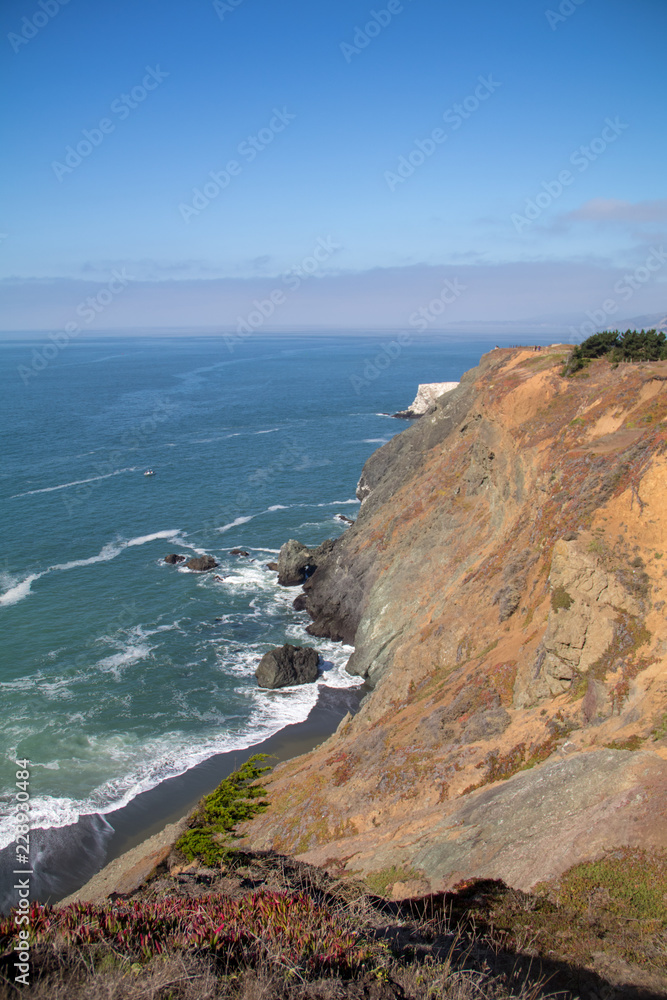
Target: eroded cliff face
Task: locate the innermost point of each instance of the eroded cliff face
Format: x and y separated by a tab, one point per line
504	587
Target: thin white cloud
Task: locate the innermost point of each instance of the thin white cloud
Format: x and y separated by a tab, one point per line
148	269
612	211
550	291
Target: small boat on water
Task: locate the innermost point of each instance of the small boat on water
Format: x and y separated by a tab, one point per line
149	472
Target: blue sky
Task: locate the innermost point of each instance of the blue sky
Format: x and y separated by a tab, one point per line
412	142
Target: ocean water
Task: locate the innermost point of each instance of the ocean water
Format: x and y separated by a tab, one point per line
118	670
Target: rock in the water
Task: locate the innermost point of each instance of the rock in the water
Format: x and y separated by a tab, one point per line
286	665
272	566
425	399
173	559
238	552
297	562
201	564
300	603
343	518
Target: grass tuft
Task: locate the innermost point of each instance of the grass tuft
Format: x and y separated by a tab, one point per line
560	599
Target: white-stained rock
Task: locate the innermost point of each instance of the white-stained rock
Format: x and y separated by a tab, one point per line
425	398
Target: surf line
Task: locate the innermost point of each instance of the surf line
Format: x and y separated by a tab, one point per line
108	552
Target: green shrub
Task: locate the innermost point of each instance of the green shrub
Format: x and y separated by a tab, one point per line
645	345
237	798
634	882
199	843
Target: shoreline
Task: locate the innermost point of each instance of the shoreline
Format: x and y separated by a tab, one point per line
65	859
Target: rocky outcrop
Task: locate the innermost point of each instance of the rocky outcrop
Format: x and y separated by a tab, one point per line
174	559
287	665
124	875
297	562
504	590
425	399
201	564
587	605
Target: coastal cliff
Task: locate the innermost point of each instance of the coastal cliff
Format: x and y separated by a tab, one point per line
425	398
504	589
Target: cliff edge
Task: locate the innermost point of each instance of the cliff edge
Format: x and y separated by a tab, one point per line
504	588
425	398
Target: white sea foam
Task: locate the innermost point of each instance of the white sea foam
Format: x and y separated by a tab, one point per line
76	482
251	576
235	524
168	756
333	503
109	551
58	690
19	590
125	657
142	539
250	517
243	519
145	631
138	764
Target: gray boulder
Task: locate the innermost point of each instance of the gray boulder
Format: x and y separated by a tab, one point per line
297	562
201	564
287	665
173	559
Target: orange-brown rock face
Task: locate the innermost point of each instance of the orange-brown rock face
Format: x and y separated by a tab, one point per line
505	588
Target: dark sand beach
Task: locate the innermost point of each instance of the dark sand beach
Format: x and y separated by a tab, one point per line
64	859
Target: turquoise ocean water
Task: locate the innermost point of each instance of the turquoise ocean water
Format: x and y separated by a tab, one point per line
118	670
